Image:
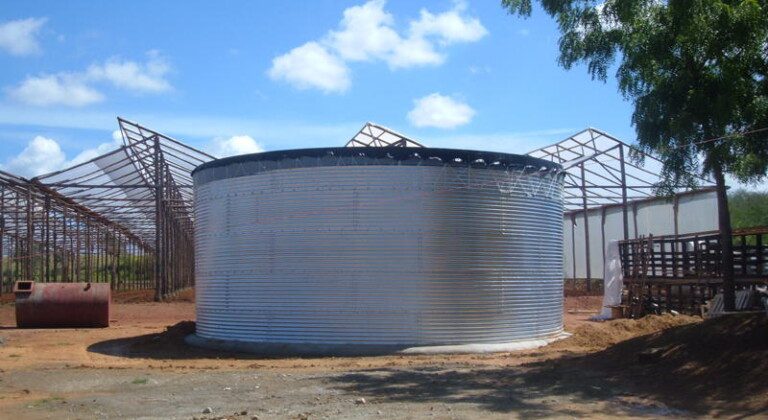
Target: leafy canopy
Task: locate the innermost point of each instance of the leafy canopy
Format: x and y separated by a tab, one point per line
695	69
748	209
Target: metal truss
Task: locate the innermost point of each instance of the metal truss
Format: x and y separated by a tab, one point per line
126	217
374	135
599	171
141	192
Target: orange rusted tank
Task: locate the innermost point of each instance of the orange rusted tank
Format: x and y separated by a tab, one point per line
52	305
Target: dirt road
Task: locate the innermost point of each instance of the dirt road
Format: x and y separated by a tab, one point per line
140	368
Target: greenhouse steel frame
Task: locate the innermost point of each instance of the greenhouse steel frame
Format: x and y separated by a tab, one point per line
605	173
126	216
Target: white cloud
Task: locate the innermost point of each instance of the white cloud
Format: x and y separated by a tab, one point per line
449	27
101	149
235	145
55	89
19	37
414	52
77	89
440	111
41	155
367	33
364	33
130	75
311	66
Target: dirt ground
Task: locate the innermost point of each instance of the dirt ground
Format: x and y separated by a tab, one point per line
139	367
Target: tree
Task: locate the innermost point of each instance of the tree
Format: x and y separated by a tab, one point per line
696	71
748	208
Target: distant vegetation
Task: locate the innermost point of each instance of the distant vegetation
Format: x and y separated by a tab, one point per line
748	208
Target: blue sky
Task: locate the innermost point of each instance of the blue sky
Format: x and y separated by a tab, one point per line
244	76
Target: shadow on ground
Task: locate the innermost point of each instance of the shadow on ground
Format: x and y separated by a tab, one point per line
715	367
171	345
529	392
166	345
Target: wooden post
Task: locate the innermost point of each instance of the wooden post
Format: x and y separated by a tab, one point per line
759	254
744	257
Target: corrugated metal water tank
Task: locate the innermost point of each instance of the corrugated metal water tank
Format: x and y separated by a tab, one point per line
366	250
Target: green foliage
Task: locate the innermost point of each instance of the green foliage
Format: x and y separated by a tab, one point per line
696	70
129	268
748	209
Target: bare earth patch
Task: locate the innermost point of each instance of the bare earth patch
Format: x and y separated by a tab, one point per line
140	367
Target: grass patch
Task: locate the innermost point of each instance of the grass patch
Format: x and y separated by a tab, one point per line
14	355
140	381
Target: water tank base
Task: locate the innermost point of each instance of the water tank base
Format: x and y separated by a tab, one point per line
322	350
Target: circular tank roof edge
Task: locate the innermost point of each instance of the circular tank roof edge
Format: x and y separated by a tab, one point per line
410	155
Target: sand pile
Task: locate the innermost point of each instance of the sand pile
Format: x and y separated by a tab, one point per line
599	335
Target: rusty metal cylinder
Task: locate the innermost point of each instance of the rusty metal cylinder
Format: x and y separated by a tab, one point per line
57	305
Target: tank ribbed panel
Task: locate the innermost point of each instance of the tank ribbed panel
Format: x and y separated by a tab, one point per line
404	255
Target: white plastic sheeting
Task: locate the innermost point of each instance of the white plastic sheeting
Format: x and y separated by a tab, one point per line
612	280
696	212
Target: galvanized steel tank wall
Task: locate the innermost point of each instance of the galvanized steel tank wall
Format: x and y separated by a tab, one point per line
438	247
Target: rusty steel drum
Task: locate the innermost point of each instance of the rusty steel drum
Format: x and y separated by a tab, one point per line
46	305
